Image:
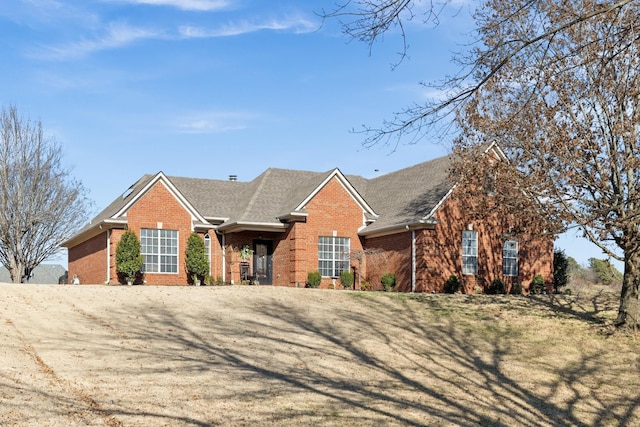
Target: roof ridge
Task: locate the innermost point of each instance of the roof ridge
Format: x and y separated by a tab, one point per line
262	180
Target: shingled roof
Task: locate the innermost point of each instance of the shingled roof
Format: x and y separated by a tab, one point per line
409	195
405	197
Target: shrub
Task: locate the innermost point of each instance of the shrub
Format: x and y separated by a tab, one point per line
365	286
537	285
129	261
313	279
560	269
388	280
516	288
346	279
497	287
452	285
208	280
195	258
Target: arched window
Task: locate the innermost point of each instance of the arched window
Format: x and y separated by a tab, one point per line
207	247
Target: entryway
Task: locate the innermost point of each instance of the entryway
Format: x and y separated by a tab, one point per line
263	261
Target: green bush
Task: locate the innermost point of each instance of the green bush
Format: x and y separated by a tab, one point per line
497	287
560	269
388	280
452	285
537	285
346	279
365	286
313	279
129	261
516	288
208	280
195	258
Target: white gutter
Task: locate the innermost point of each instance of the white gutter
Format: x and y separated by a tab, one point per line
108	256
413	260
224	259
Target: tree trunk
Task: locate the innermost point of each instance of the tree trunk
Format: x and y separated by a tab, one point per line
629	311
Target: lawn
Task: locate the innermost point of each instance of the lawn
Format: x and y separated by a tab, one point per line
244	355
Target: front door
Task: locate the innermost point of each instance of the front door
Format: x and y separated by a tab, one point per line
263	261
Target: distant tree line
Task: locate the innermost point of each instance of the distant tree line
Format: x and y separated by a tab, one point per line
567	271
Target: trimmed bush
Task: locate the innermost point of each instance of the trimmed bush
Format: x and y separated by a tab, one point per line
313	279
452	285
516	288
388	280
129	261
537	285
195	258
346	279
497	287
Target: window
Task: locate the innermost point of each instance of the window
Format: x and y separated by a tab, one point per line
333	255
510	258
207	247
469	252
160	250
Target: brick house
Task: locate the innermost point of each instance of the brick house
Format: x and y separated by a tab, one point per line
410	222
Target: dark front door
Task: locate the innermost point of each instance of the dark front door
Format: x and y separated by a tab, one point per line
263	261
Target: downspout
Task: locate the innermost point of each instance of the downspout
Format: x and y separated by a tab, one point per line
413	260
224	257
108	256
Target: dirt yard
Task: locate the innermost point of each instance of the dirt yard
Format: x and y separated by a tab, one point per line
268	356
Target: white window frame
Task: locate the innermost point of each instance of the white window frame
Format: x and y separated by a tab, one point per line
207	247
160	249
510	258
469	252
333	255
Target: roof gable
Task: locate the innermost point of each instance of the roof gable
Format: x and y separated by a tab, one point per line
160	178
351	190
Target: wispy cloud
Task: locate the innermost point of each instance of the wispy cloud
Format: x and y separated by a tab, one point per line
120	34
214	122
194	5
297	25
115	35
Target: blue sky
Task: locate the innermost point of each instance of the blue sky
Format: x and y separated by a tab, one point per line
208	88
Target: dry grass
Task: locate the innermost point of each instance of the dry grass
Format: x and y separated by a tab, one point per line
275	356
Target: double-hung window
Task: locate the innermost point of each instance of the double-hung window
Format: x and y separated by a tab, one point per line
333	255
160	250
469	252
510	258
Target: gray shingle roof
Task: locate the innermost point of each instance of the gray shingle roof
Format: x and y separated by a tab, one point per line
398	198
408	195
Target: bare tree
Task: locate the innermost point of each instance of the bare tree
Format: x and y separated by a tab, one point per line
41	205
567	114
369	20
556	84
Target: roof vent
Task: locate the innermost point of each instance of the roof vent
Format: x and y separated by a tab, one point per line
233	177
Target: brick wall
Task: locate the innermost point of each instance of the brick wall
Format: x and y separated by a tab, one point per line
439	253
159	209
331	212
389	254
88	260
